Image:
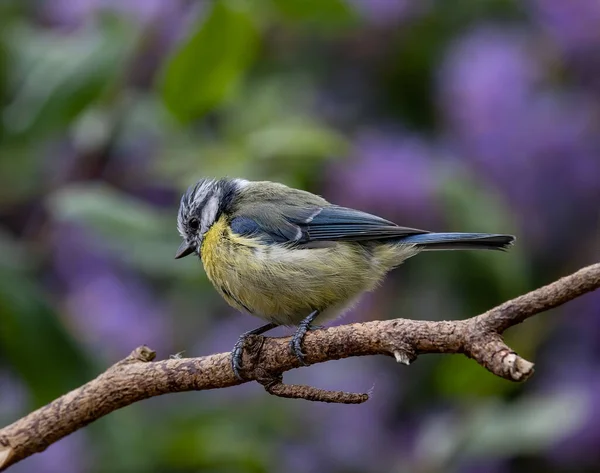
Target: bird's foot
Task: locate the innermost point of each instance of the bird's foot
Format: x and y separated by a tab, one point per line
236	356
238	349
298	338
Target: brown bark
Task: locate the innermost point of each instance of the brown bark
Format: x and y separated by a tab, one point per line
138	377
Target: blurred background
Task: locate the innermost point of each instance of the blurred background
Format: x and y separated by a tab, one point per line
462	115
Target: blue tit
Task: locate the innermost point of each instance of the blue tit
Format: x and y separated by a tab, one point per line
292	258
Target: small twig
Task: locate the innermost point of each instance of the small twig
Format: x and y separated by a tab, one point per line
137	377
299	391
274	385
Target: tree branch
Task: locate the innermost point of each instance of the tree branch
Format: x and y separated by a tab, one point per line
137	377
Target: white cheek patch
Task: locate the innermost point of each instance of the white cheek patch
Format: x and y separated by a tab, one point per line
180	221
209	213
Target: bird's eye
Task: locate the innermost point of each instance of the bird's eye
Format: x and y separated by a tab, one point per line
194	224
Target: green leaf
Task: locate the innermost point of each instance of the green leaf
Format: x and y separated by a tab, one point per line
325	13
108	211
58	77
13	255
525	427
469	206
128	226
35	342
296	139
492	429
460	378
222	440
207	69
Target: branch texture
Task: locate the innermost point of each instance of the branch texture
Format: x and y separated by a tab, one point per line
138	377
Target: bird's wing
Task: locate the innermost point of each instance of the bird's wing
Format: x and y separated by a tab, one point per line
298	224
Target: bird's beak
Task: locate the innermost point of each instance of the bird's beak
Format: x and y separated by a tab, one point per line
185	249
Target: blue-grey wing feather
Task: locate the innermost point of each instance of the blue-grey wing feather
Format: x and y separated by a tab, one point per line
332	223
340	223
251	227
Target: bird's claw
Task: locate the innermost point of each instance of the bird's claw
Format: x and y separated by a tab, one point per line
296	347
236	357
298	338
238	348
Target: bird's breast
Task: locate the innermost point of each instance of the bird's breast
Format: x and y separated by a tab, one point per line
283	284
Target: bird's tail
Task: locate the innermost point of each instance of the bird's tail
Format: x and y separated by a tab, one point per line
460	241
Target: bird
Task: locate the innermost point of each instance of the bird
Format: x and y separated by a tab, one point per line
292	258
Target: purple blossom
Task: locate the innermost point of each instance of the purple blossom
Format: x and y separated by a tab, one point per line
387	173
573	24
361	439
69	455
584	320
573	361
486	83
578	449
300	458
538	146
15	396
76	12
574	27
110	308
164	23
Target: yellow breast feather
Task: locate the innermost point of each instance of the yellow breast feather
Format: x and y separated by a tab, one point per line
282	284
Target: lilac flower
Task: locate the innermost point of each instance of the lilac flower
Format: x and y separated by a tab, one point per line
300	458
69	455
113	311
538	146
584	320
486	83
389	173
579	448
76	12
361	439
574	25
574	358
15	397
164	23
